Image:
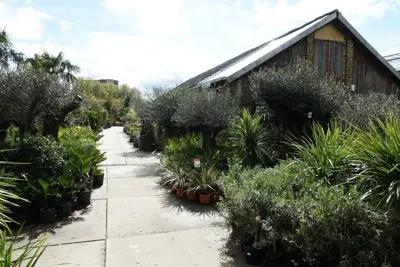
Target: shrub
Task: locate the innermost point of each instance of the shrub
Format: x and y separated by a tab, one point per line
251	196
46	157
377	153
293	91
360	109
182	151
281	211
205	108
327	152
334	225
251	140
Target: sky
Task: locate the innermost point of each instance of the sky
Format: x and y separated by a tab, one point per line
147	43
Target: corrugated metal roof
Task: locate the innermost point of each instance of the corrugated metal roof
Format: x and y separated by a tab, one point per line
265	49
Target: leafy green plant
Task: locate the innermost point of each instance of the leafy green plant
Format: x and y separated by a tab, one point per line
20	256
204	180
29	254
377	153
327	152
45	155
67	186
251	140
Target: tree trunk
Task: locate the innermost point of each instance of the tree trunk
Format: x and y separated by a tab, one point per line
3	131
52	124
50	128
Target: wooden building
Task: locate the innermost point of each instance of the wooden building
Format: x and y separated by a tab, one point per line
332	45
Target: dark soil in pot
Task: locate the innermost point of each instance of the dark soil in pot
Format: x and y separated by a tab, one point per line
98	180
84	197
64	209
254	256
47	215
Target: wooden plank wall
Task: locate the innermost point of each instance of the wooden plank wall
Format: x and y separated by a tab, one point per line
241	85
370	75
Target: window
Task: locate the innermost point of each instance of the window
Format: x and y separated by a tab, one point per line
328	57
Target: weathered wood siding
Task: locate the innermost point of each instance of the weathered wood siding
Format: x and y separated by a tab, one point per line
370	75
241	86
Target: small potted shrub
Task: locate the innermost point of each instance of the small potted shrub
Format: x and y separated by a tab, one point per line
64	205
255	255
47	213
181	183
85	191
98	177
204	181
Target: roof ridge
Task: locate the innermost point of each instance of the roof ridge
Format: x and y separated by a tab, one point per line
308	23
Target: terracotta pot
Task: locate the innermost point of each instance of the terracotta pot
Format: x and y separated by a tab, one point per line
172	188
191	195
214	197
205	199
180	193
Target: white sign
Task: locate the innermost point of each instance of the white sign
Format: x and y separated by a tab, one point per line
309	115
196	162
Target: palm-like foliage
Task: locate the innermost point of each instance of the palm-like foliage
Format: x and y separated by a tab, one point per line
56	65
7	54
251	139
378	153
29	254
327	152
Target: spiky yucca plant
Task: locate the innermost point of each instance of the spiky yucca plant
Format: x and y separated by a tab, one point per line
251	139
377	151
327	153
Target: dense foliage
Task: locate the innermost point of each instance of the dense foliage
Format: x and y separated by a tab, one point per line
292	92
331	199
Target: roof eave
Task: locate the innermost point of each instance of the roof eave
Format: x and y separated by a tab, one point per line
368	46
279	49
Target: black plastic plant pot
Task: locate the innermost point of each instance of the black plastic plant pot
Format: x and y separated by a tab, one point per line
75	204
84	197
47	215
98	180
254	256
20	215
64	209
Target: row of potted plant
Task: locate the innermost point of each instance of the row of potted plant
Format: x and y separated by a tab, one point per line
56	197
197	184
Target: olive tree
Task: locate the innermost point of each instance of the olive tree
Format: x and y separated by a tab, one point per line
30	97
207	111
293	91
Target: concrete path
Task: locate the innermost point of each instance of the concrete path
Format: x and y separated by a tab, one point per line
134	222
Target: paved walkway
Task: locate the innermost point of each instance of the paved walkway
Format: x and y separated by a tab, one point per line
134	222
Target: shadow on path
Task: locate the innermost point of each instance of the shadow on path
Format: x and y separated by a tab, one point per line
173	203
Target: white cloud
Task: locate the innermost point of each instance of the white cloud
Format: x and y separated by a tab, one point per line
170	41
66	25
24	22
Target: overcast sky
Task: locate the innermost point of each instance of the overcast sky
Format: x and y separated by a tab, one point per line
163	42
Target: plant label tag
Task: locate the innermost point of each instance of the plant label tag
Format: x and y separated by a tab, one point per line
196	162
